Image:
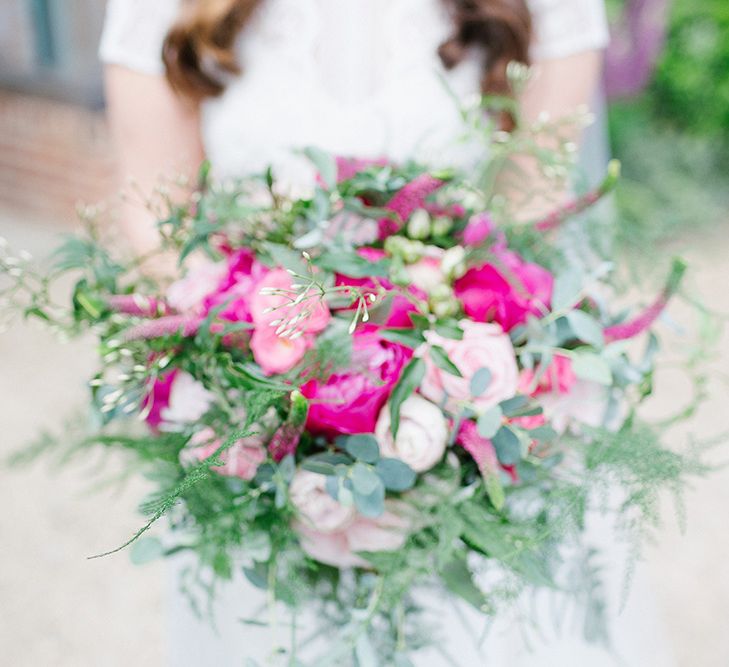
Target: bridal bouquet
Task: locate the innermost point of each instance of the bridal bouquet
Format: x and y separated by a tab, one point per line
367	388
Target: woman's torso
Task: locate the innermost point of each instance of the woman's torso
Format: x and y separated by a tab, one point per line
354	77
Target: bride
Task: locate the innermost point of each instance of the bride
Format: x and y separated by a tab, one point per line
243	82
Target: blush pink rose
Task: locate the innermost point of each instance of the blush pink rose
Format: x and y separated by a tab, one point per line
351	399
505	292
240	460
266	308
482	346
315	507
187	402
422	437
275	354
340	548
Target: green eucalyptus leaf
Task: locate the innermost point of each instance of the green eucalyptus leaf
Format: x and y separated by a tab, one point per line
591	366
585	327
567	289
371	505
395	474
480	382
325	164
364	479
490	422
363	447
507	445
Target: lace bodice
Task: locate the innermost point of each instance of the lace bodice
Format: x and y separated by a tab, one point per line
356	77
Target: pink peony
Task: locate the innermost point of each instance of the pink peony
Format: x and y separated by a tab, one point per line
339	549
240	460
275	354
351	399
266	308
482	346
506	291
235	289
422	437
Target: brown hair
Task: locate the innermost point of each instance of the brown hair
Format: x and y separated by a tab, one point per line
199	51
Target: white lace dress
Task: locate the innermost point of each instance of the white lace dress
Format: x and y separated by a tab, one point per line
361	77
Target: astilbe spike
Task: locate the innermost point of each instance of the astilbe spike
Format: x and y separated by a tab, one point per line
558	217
407	200
645	320
481	449
285	441
138	305
185	325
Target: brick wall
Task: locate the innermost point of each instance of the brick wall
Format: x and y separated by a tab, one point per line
53	156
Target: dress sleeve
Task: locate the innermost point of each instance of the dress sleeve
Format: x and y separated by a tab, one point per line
565	27
134	32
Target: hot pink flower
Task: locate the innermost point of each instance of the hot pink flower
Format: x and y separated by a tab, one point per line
409	198
350	400
240	460
236	287
505	292
158	398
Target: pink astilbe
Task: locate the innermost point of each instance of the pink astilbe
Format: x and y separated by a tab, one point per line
186	325
642	322
556	218
407	200
284	441
138	305
481	449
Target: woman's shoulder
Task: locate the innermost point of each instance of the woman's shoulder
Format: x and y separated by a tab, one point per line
565	27
134	32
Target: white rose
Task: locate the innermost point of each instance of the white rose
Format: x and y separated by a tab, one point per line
189	401
422	436
315	506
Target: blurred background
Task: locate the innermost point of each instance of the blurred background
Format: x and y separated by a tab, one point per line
667	78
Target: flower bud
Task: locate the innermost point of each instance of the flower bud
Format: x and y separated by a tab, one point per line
419	224
453	263
413	251
441	225
443	302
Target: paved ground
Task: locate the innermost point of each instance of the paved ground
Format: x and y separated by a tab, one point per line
57	608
